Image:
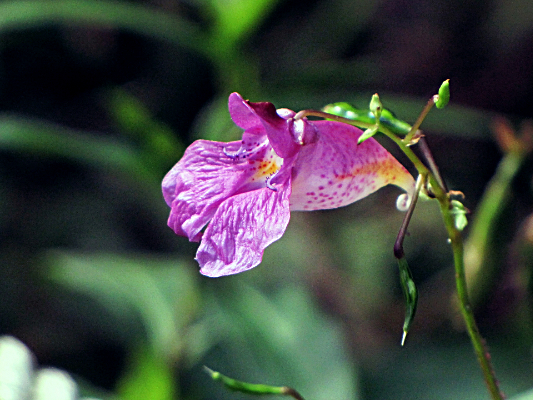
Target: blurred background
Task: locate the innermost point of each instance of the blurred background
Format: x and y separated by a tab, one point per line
99	99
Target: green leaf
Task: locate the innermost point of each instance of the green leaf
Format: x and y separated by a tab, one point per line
411	295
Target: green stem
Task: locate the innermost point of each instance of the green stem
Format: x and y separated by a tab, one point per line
478	342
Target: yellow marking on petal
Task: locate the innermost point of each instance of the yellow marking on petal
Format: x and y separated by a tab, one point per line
385	168
268	166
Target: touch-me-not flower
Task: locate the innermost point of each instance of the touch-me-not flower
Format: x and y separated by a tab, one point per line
244	191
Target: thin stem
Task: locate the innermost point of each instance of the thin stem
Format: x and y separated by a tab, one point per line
423	144
398	245
421	117
478	342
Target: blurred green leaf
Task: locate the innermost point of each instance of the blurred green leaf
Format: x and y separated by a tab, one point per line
214	123
237	18
281	339
162	292
528	395
156	140
43	138
147	377
115	14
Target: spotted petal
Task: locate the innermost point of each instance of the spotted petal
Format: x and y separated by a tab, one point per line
243	226
335	171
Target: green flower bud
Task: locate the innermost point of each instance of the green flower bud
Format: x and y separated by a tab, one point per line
444	94
375	106
459	212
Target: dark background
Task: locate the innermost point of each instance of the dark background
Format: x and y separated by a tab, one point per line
99	99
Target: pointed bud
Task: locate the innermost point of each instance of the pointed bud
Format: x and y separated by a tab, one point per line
459	212
444	94
376	107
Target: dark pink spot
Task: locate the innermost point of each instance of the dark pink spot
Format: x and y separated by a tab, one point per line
339	185
321	188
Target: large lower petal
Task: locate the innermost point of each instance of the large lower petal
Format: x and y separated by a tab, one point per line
205	177
335	171
243	226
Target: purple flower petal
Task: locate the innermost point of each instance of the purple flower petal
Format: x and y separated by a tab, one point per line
278	129
335	171
205	177
241	113
243	226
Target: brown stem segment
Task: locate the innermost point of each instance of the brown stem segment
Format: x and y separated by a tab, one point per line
292	392
398	245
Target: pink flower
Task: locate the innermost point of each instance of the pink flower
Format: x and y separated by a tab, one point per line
244	191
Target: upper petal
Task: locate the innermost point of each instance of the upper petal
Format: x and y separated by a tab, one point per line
205	177
241	113
335	171
243	226
279	130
